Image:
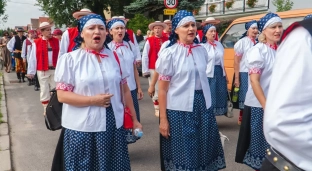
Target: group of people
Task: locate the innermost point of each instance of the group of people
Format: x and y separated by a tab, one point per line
94	70
16	52
261	73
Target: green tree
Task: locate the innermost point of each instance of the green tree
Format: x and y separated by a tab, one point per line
61	10
155	7
283	5
2	10
139	21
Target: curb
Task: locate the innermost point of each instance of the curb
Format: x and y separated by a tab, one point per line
5	149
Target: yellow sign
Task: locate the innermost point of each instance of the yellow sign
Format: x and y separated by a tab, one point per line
170	11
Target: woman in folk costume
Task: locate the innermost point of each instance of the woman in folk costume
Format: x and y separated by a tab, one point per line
6	54
126	50
67	44
259	61
190	138
241	47
215	70
89	83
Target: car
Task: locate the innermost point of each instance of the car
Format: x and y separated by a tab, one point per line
141	46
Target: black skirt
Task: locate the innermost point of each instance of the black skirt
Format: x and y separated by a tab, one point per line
244	136
58	163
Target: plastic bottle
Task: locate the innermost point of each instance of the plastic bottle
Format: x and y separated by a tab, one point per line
235	94
138	132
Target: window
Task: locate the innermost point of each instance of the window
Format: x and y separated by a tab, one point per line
233	35
236	31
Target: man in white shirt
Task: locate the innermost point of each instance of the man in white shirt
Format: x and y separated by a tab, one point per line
288	112
26	48
149	57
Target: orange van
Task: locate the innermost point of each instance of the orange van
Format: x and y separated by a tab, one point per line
235	30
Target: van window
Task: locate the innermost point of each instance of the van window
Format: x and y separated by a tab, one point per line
232	35
235	32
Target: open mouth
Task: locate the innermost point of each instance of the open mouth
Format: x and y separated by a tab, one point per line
191	34
120	35
97	39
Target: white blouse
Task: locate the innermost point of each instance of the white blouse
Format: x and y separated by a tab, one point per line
240	49
287	120
215	57
127	51
64	43
178	64
80	72
26	48
259	60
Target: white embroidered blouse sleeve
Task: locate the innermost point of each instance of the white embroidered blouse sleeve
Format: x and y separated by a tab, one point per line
239	48
254	61
134	51
64	76
10	44
24	48
32	61
164	65
137	49
145	57
64	43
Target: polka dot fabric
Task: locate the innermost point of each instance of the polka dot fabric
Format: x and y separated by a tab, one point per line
218	91
175	21
264	20
129	137
97	151
258	145
243	87
194	143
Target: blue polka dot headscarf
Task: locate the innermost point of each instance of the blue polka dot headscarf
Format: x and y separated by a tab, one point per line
85	21
182	17
308	17
252	23
267	20
114	23
205	29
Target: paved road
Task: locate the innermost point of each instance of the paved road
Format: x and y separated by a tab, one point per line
33	145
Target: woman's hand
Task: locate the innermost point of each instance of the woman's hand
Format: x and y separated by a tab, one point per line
236	82
137	124
140	94
102	100
151	91
164	128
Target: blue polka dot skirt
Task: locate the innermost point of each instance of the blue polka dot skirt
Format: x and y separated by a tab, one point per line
258	145
194	143
243	87
129	137
97	151
219	94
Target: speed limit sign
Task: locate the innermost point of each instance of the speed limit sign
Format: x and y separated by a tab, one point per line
171	4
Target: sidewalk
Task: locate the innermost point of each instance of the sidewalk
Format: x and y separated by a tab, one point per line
32	145
5	151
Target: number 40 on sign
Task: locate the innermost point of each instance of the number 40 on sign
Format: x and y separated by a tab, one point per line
171	4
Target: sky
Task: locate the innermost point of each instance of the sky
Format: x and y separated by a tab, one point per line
21	11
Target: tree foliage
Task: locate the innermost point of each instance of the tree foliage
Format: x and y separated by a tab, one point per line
2	10
61	10
283	5
139	21
141	6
